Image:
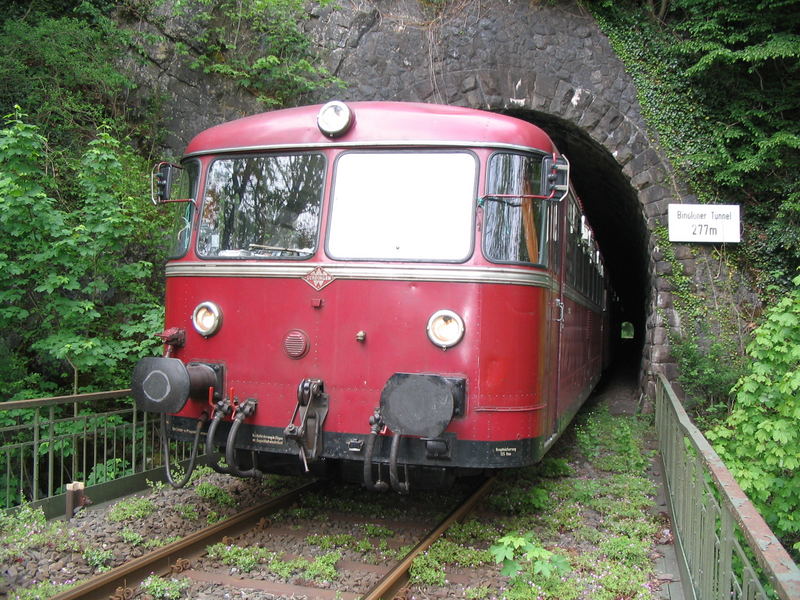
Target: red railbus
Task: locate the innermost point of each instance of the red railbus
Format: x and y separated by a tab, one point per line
396	292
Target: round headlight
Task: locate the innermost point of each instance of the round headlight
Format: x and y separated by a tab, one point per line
207	318
334	118
445	328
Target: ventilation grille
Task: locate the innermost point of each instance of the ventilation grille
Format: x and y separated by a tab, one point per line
296	344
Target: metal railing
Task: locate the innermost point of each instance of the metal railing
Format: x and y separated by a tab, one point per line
47	443
716	528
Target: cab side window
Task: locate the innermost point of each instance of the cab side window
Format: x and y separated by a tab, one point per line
514	222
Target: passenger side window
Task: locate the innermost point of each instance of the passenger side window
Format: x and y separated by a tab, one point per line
514	220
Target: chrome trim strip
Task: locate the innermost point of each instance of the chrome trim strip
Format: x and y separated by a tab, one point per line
504	409
354	271
579	298
365	145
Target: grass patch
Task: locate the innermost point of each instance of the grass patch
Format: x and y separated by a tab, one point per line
26	527
132	508
247	559
575	526
214	493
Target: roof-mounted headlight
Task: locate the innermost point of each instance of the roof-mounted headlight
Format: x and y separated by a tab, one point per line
207	318
445	328
334	118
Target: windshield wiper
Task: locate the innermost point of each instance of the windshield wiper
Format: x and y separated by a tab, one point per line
277	249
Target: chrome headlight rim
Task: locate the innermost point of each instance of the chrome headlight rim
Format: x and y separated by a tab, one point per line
445	328
202	313
334	119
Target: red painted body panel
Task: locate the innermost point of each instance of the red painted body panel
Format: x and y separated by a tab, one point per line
581	354
503	354
375	122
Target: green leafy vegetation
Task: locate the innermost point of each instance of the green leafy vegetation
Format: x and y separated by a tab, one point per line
113	468
81	249
514	551
428	567
612	442
41	590
760	441
98	558
712	333
134	538
719	84
214	517
258	44
26	527
132	508
187	511
61	68
588	531
363	545
162	588
78	281
212	492
249	558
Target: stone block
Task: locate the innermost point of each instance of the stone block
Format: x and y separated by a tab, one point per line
689	266
671	371
663	284
660	355
663	267
469	83
660	336
682	252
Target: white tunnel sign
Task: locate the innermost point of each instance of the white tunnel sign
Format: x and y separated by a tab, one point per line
704	223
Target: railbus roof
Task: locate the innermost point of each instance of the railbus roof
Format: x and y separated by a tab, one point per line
375	124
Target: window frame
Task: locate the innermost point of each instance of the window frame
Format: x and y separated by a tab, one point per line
410	151
543	230
192	209
264	155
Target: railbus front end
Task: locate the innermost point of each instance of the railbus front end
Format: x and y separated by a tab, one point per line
375	289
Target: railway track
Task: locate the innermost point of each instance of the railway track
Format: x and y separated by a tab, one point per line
185	557
120	582
584	523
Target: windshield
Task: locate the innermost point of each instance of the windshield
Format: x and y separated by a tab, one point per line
262	207
403	206
515	227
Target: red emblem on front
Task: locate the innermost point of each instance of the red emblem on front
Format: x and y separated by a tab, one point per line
318	278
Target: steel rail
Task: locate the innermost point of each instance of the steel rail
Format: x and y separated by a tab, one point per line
174	557
388	586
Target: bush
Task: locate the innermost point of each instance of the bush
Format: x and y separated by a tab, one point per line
78	298
760	440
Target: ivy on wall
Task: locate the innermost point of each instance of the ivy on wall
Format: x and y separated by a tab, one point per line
719	83
709	335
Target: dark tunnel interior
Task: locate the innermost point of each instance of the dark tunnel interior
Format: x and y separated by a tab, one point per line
613	211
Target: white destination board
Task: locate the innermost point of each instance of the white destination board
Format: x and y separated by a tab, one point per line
704	223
